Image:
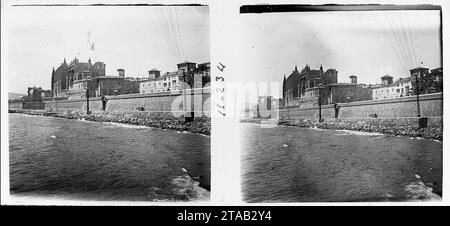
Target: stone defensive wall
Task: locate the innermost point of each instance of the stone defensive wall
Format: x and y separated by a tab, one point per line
399	111
163	102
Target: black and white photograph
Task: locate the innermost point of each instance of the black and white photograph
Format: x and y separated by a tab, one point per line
352	106
204	111
107	102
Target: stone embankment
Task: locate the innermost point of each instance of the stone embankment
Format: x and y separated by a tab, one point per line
363	126
200	125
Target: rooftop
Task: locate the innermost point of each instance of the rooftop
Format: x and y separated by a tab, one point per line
186	62
437	69
419	68
341	84
109	77
403	79
162	76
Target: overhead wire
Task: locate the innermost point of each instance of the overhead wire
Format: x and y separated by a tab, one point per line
166	34
179	32
399	46
170	27
404	41
173	32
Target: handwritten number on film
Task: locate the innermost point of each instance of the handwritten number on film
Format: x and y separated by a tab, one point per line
220	90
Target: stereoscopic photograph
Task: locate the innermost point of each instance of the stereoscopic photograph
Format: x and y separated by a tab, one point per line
352	106
108	103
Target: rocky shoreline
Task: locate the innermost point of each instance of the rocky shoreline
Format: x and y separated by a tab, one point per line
354	125
200	125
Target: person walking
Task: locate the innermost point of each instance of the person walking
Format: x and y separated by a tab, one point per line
104	101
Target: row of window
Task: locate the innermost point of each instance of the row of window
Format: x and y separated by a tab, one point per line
393	90
159	83
156	91
391	97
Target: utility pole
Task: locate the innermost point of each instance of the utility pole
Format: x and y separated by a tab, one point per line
417	94
188	116
320	86
184	92
87	100
87	97
320	108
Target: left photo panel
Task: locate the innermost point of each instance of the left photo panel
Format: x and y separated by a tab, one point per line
108	103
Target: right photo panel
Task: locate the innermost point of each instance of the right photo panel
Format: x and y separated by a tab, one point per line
345	103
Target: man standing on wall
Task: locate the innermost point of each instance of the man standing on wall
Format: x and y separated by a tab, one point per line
336	110
104	101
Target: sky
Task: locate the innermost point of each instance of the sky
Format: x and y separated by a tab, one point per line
132	38
354	43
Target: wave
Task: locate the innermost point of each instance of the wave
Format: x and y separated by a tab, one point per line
268	125
130	126
82	120
124	125
25	115
186	186
316	128
188	132
419	191
361	133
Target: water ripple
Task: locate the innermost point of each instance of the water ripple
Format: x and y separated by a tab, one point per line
101	161
289	164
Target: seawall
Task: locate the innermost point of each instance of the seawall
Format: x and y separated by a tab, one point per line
159	110
396	117
169	102
395	112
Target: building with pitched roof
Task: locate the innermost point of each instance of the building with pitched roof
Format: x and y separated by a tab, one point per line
68	78
302	86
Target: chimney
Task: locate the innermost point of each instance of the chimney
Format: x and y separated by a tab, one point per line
121	72
354	79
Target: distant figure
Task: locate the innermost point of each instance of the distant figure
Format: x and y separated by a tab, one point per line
336	110
104	101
